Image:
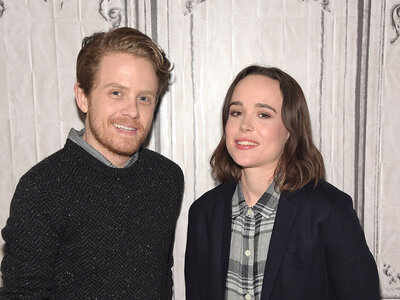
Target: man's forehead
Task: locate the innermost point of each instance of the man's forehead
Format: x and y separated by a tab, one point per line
121	68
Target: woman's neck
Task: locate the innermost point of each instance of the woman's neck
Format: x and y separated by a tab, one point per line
255	183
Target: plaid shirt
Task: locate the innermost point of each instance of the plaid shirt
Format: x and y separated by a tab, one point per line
251	235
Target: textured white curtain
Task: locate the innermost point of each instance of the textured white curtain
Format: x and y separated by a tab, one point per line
345	54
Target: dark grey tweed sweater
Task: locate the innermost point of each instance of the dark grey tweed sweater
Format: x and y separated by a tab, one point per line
81	230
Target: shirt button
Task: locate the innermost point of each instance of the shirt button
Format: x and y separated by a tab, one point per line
247	253
248	297
250	213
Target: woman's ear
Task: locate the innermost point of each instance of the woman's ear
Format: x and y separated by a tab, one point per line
80	97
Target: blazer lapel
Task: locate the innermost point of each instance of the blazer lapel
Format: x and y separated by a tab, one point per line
283	223
221	232
226	239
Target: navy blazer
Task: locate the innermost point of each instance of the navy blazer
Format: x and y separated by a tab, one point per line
317	249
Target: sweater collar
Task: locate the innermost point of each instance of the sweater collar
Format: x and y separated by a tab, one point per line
77	137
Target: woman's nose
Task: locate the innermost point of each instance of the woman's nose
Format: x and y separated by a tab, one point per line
246	124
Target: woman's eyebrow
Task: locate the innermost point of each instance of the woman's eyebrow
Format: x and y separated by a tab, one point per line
236	103
258	104
265	106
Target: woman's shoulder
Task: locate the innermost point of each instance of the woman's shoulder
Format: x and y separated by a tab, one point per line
214	197
323	193
328	190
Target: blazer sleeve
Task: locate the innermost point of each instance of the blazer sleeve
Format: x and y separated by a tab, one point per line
351	266
31	244
191	269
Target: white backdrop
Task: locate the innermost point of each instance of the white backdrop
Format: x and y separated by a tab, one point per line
345	54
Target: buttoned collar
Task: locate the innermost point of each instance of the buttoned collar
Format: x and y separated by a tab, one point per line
265	206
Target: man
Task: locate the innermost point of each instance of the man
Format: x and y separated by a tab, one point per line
96	220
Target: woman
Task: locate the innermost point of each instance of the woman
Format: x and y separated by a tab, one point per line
274	229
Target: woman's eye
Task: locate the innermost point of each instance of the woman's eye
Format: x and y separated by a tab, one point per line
235	113
264	115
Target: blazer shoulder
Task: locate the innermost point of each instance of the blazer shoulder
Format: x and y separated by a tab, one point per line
214	197
323	194
327	191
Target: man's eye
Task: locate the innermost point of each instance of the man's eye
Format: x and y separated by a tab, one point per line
116	93
143	98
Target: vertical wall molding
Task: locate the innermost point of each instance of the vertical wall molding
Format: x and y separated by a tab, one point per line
361	105
154	35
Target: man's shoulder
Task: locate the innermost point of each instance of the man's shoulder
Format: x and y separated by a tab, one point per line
150	157
49	166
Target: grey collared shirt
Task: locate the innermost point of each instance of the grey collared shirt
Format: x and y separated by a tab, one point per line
77	137
250	237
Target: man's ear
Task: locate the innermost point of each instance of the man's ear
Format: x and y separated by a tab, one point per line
80	97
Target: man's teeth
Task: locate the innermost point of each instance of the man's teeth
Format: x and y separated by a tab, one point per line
124	127
247	143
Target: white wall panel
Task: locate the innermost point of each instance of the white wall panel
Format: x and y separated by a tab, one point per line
345	54
382	151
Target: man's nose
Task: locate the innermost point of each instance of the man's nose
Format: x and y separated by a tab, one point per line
130	108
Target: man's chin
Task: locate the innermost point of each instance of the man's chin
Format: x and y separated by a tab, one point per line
126	151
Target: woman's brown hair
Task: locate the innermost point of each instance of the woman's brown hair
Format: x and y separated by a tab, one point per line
300	162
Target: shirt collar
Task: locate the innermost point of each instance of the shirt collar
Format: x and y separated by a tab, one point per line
77	137
239	205
265	206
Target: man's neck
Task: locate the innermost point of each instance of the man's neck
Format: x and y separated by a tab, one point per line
77	138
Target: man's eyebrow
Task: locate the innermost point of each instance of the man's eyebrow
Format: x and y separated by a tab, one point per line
123	87
263	105
148	92
115	84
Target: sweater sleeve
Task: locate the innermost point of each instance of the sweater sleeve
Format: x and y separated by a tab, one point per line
351	265
177	191
31	243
